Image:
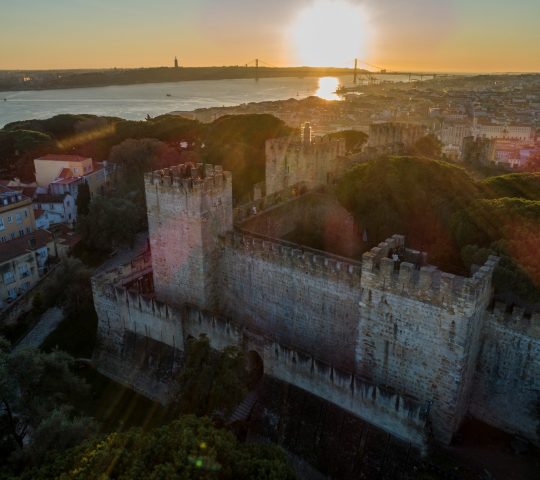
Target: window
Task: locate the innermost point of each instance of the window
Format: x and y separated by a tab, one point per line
25	213
9	219
2	226
28	230
23	270
12	293
12	235
21	232
76	170
9	277
18	218
3	239
67	203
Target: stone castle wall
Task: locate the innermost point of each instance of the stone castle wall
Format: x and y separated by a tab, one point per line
506	390
399	415
290	161
299	298
419	330
339	328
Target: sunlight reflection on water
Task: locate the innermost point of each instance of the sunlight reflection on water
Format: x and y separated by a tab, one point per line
327	88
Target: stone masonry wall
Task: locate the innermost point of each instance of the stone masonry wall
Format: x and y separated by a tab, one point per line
187	211
300	299
418	331
123	361
506	390
289	161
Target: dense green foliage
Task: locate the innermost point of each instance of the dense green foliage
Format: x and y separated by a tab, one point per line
110	222
458	221
428	146
415	197
520	185
211	381
35	414
237	142
69	287
189	448
83	199
354	139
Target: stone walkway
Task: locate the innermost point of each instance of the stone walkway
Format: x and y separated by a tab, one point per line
45	326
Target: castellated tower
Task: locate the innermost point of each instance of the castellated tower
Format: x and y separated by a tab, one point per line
188	208
291	160
419	329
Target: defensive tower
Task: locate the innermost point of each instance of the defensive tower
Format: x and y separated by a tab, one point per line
189	207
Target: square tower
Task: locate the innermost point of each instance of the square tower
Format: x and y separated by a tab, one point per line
188	208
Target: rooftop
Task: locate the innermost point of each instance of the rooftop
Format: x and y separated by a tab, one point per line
47	198
22	245
63	158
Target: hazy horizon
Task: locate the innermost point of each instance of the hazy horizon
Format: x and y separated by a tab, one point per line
455	36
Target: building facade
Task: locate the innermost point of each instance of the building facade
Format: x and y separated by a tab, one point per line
23	262
54	209
16	215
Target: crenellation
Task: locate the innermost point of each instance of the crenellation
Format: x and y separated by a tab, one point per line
349	326
424	282
516	318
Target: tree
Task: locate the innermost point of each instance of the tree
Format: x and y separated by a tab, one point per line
110	222
69	287
135	157
83	199
428	146
354	139
189	448
35	414
211	381
237	142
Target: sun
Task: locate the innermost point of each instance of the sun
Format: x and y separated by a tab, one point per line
330	33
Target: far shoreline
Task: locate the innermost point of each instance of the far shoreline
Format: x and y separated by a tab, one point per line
49	80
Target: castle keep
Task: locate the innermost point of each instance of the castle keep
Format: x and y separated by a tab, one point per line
404	346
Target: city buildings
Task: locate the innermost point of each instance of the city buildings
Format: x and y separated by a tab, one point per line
16	215
23	262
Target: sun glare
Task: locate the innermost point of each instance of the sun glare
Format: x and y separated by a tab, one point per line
327	88
330	33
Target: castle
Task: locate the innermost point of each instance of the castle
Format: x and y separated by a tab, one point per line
404	346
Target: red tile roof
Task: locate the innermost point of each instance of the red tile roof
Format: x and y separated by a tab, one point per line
65	173
20	246
63	158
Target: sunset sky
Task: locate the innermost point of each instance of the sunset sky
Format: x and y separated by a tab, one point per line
422	35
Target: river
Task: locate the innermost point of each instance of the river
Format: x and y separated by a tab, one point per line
134	102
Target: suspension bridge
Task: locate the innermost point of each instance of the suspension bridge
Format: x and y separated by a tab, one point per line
361	71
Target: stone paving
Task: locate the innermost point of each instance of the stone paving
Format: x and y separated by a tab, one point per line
45	326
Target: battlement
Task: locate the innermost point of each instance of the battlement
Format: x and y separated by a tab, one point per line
293	255
516	318
189	178
412	276
256	207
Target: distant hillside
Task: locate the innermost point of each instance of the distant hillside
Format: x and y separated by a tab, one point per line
10	81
